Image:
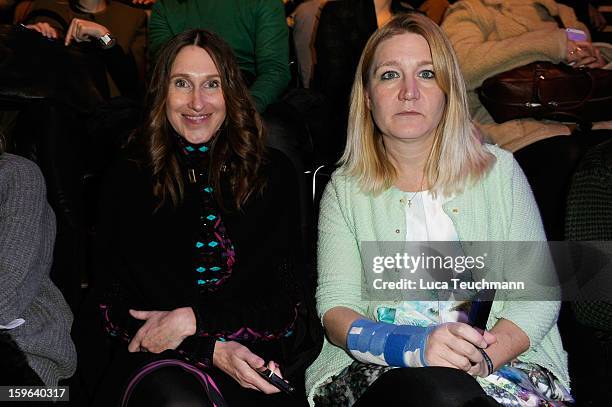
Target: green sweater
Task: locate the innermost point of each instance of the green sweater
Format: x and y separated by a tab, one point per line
255	29
500	207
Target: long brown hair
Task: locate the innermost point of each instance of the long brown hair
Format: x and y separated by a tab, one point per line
237	151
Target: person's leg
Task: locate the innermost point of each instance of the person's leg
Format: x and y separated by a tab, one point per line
174	386
430	386
169	387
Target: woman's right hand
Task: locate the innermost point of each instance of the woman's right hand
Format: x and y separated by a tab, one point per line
84	30
583	54
454	344
241	364
45	29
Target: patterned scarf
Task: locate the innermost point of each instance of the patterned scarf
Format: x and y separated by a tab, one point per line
214	251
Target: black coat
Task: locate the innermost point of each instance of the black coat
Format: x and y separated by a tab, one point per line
145	261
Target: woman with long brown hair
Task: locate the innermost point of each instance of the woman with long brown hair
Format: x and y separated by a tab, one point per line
198	243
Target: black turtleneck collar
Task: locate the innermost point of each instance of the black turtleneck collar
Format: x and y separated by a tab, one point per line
196	159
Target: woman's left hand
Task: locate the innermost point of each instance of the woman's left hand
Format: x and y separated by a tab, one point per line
581	54
84	30
162	330
479	369
455	345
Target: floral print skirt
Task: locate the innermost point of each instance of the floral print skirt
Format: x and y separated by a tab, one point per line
514	384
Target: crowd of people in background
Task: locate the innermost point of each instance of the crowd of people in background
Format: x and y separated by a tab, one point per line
177	171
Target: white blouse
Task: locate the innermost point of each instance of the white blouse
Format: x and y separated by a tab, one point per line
426	221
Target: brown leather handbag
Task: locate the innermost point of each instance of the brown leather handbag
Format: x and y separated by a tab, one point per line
543	90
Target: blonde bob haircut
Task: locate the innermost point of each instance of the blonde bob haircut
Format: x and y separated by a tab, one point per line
457	158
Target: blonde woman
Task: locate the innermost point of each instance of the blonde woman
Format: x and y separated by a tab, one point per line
414	170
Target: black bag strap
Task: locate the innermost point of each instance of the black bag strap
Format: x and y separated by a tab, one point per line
208	384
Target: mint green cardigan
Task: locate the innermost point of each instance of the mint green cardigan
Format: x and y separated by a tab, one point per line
499	207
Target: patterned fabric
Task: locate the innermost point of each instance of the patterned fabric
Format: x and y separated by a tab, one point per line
345	389
525	384
351	217
516	384
589	217
246	334
215	254
424	313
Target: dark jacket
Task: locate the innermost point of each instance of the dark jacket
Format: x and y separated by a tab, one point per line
145	261
27	236
125	62
344	28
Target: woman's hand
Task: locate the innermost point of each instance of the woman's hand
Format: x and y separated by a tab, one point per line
84	30
45	29
455	344
480	369
241	364
162	330
583	54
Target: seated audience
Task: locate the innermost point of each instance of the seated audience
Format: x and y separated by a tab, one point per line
344	27
34	319
414	169
491	37
343	30
198	266
588	13
305	22
119	30
255	29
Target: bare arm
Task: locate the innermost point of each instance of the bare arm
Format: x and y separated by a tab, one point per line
511	342
337	322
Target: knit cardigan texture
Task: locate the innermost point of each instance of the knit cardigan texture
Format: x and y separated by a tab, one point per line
27	235
499	207
494	36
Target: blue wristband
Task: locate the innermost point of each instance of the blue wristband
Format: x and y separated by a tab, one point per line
406	346
389	344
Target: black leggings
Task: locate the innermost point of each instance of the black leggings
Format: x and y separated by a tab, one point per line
428	386
172	386
169	387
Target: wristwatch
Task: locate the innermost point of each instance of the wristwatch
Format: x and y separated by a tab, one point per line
107	41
